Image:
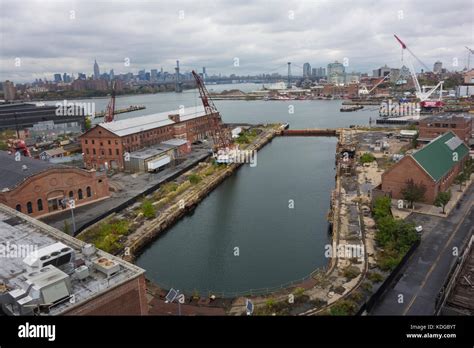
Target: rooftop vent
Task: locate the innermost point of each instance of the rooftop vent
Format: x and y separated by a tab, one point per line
453	143
106	266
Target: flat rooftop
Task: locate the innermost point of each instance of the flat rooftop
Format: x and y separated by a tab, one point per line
138	124
28	234
151	151
447	117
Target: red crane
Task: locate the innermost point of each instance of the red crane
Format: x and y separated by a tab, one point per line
110	111
220	134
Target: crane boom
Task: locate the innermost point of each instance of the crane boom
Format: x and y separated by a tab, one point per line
110	111
220	135
422	95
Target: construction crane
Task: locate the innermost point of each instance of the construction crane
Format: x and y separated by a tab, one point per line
423	95
110	111
469	57
364	89
220	135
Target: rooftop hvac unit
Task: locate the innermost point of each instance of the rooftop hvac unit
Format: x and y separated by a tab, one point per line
88	250
106	266
57	254
82	272
48	285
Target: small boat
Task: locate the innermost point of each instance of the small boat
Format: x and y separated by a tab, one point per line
348	108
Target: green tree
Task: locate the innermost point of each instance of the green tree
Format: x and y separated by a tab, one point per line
468	167
460	179
148	209
367	158
381	207
442	199
413	192
88	123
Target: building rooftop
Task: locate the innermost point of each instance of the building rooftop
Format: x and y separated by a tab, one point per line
12	172
151	151
447	117
24	242
175	142
143	123
437	157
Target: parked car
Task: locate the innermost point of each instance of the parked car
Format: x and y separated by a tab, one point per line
419	229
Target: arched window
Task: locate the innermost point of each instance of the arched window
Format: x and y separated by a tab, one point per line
71	194
88	191
18	207
29	207
40	204
79	194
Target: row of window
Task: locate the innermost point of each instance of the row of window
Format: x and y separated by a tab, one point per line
102	152
101	143
39	202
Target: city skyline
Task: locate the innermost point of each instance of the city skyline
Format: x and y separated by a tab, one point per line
66	37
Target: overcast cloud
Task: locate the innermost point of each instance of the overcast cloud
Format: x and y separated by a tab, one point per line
263	35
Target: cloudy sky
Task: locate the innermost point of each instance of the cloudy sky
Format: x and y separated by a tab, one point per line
40	38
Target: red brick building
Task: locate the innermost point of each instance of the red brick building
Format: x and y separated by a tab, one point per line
351	90
435	166
105	145
432	127
37	188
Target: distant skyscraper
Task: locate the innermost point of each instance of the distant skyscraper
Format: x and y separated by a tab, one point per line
306	70
57	78
9	90
154	75
96	70
335	73
82	76
438	67
111	74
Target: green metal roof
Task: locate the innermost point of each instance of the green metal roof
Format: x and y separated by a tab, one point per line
437	158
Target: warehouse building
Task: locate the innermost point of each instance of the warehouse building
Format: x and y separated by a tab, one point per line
157	157
436	165
47	272
38	188
32	120
107	144
434	126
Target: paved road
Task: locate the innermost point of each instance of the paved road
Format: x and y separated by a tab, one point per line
427	269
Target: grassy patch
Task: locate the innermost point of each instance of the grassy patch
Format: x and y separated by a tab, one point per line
106	235
194	178
343	307
367	158
148	209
